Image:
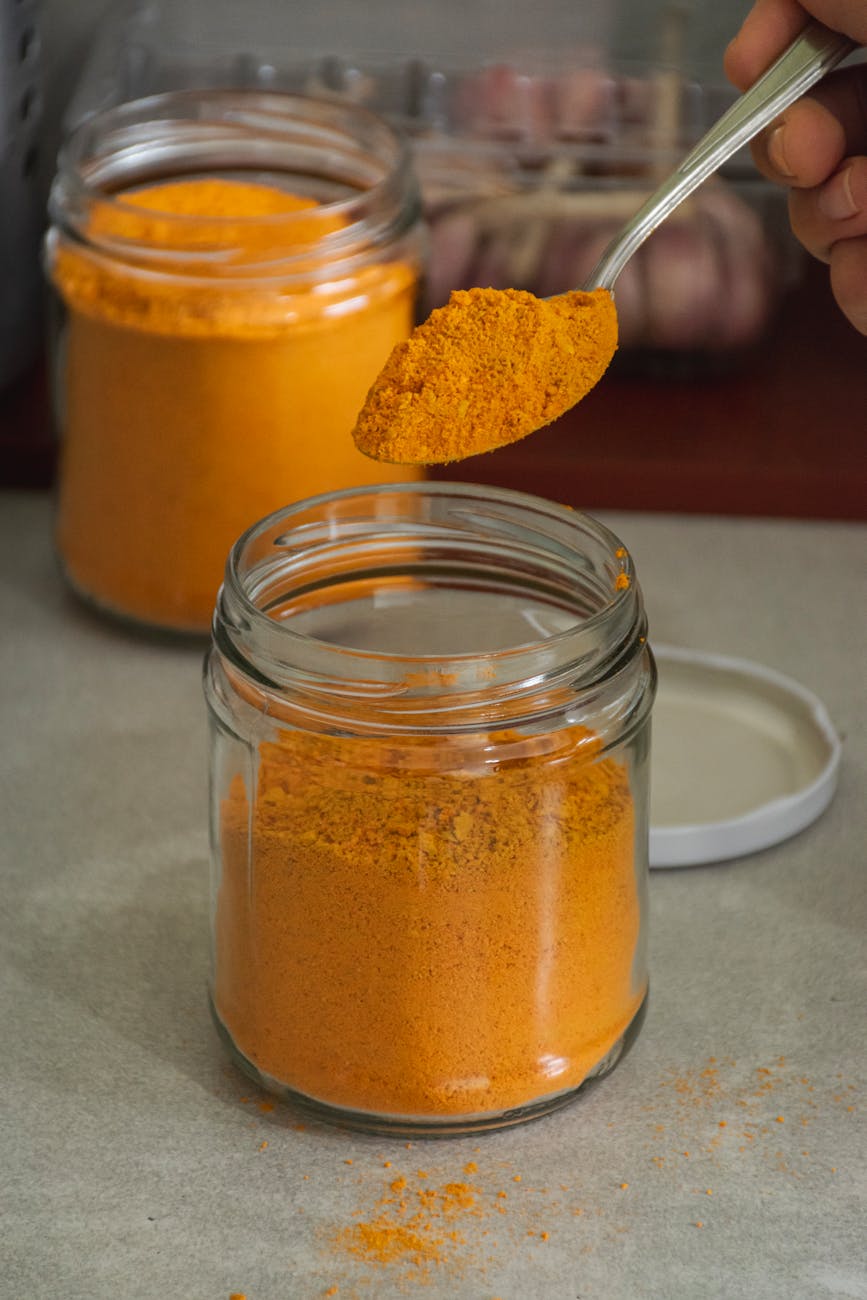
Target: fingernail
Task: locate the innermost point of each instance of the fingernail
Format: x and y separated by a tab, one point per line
777	151
836	200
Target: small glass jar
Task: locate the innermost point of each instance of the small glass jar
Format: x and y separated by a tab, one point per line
429	712
231	270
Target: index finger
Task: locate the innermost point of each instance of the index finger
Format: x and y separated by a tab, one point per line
772	25
806	143
768	28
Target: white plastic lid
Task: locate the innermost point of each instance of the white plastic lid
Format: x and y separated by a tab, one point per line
742	758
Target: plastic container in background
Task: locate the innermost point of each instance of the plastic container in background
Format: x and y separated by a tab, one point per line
532	142
212	351
429	716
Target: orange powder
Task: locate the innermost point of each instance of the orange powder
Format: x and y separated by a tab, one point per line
485	370
414	1225
403	931
194	399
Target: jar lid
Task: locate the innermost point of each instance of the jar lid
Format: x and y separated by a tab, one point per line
743	757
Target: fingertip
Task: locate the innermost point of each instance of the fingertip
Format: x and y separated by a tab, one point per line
849	278
775	149
836	199
768	28
803	147
733	63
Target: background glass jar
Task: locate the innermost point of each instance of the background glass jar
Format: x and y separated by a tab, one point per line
231	269
429	715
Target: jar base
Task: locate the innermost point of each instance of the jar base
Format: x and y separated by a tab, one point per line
179	632
426	1125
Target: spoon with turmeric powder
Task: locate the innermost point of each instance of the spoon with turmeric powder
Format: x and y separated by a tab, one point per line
494	365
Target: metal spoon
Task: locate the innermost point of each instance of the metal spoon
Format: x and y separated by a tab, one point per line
816	51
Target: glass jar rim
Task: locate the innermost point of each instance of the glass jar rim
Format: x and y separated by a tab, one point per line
173	135
522	529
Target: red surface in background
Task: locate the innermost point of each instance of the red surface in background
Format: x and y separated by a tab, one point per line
784	434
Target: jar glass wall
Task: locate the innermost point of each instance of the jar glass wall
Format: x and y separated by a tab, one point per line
231	270
429	733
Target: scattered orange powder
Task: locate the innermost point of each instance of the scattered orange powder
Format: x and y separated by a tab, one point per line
745	1094
417	1229
383	1242
421	1224
423	1228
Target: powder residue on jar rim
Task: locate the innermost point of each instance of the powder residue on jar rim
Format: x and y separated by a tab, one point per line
202	258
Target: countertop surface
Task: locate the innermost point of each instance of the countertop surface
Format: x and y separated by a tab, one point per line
725	1157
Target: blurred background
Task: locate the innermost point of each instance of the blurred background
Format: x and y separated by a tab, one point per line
69	31
537	130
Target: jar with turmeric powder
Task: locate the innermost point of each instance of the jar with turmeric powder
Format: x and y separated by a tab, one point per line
231	270
429	711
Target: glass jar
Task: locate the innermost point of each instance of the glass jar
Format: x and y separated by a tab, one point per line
429	711
231	270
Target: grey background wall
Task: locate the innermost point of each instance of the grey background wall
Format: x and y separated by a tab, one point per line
69	28
712	24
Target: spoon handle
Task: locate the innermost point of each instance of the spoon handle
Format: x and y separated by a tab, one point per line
813	53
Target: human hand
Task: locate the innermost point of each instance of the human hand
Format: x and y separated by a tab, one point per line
817	146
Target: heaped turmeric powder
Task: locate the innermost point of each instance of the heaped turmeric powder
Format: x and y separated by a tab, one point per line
400	936
488	368
219	332
428	886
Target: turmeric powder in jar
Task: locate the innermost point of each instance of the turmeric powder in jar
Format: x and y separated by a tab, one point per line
231	271
429	715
